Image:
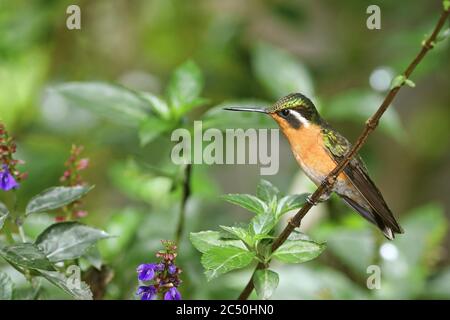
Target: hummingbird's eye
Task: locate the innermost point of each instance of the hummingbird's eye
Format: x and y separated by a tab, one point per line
285	112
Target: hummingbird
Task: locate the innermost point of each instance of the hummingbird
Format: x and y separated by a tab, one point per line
318	148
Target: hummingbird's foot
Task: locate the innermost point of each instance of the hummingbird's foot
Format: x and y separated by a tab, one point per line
324	197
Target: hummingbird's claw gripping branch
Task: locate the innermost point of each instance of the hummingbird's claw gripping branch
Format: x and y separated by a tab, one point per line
370	126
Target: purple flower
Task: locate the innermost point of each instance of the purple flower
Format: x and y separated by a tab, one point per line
147	292
7	181
172	294
172	269
146	271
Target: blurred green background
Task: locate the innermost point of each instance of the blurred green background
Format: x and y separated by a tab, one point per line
248	51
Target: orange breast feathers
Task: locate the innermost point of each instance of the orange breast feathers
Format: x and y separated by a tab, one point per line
309	150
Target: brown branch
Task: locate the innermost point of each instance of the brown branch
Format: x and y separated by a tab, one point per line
371	124
186	192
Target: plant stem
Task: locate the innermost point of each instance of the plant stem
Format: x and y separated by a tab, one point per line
21	233
370	126
186	192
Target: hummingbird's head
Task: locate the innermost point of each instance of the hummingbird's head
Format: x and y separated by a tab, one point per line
294	111
290	112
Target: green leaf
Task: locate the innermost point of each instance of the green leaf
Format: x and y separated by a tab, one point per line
205	240
114	102
240	233
248	202
56	197
184	88
68	240
265	282
158	105
83	292
26	255
262	224
6	287
151	127
298	251
220	260
266	191
4	213
280	72
291	202
297	235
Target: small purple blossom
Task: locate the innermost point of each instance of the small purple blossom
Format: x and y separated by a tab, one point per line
146	271
172	269
7	181
147	292
172	294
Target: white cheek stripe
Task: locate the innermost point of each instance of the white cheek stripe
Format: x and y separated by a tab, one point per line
300	118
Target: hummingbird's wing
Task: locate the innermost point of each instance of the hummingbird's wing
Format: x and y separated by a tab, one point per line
337	146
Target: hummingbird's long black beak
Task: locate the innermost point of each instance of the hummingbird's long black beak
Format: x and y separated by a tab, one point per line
245	109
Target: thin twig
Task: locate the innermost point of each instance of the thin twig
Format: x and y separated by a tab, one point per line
186	192
371	124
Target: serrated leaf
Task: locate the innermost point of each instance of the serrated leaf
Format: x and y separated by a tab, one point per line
205	240
298	251
83	292
26	255
240	233
248	202
220	260
4	213
68	240
54	198
265	282
114	102
280	72
262	224
184	88
6	287
291	202
266	191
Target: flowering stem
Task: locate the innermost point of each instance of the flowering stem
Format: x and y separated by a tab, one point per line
371	124
186	192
